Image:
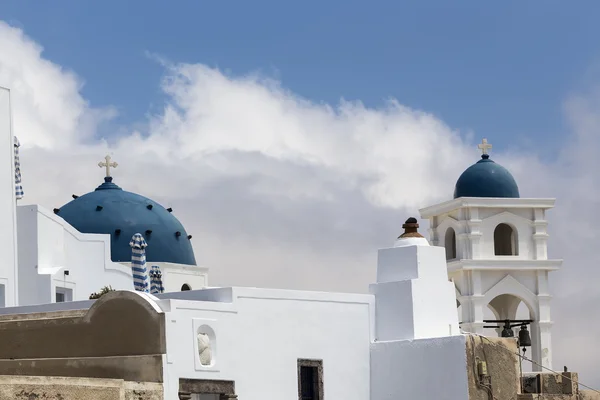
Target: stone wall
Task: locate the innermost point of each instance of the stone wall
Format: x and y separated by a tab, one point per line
555	386
56	388
120	337
588	395
118	324
500	356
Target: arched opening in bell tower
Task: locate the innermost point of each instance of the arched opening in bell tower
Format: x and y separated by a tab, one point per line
508	306
505	241
450	244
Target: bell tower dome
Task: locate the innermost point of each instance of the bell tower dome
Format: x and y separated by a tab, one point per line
496	250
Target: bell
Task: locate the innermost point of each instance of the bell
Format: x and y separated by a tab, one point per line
524	338
507	331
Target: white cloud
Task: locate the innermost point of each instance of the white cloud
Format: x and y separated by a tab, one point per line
280	191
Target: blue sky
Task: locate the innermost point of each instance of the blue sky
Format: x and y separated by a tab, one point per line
502	69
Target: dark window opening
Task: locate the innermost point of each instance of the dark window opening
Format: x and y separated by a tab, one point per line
310	380
185	287
63	294
505	241
60	297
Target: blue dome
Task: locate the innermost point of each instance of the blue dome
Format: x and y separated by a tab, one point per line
485	178
112	210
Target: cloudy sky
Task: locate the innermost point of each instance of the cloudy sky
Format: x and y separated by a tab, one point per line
293	142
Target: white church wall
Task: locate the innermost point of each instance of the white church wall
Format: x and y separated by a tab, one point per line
175	276
411	262
8	245
394	311
33	288
261	334
522	228
59	259
408	309
492	277
413	297
420	369
490	219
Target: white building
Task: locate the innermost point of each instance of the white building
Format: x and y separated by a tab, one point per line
308	345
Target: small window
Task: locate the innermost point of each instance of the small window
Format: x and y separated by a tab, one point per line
310	380
63	294
185	287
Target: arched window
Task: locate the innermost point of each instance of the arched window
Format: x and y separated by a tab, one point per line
505	241
450	244
185	287
206	346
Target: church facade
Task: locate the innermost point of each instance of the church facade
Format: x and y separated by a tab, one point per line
487	249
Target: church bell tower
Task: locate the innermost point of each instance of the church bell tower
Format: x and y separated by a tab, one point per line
496	250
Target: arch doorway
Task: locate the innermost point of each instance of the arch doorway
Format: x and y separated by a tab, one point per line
185	287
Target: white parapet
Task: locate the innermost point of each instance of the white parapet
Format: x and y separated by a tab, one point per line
413	297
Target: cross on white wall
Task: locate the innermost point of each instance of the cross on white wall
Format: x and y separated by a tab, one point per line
484	146
107	164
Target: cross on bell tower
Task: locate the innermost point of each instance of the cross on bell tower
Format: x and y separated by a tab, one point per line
108	165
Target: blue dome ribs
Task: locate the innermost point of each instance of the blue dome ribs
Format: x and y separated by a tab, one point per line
125	214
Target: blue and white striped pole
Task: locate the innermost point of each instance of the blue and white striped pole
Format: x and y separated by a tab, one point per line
18	187
156	283
141	278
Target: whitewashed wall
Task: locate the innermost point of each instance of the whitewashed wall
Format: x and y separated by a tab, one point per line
419	369
48	246
260	334
176	275
8	246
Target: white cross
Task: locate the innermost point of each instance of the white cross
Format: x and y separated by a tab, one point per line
107	164
484	146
